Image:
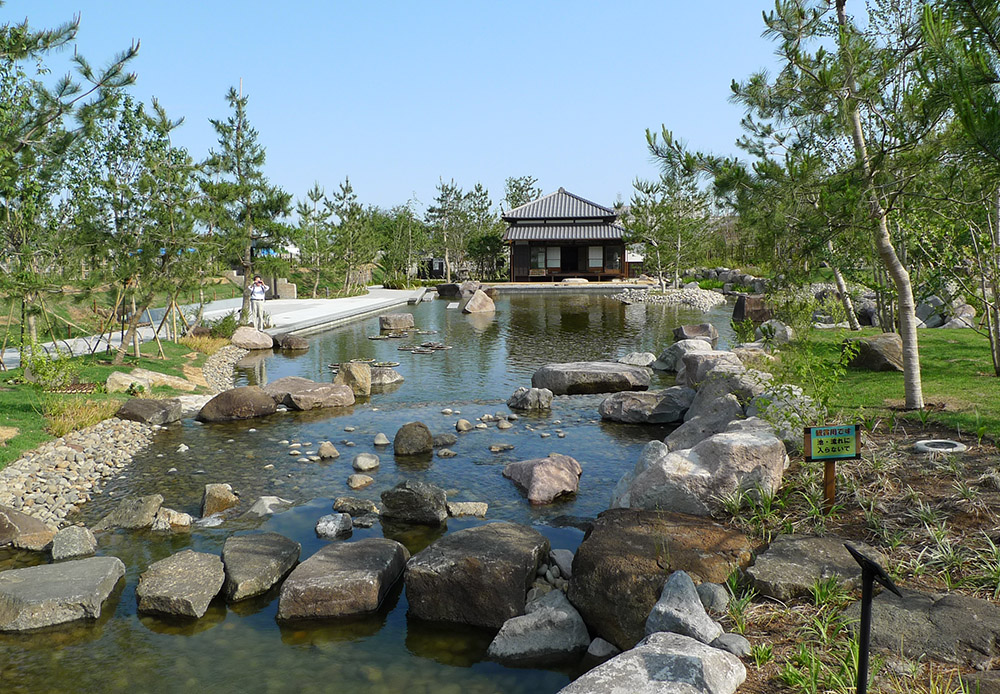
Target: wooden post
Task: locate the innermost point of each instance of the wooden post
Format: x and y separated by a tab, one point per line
829	484
135	335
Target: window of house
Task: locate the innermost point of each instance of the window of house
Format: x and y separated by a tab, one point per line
612	258
596	256
538	257
553	259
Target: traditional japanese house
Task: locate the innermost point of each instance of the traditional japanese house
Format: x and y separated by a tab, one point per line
562	235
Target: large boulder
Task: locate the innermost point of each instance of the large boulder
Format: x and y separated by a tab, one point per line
544	479
449	291
357	375
293	343
160	379
384	376
672	358
663	407
664	663
478	576
582	377
788	409
479	303
530	399
714	419
752	306
775	331
747	457
792	564
182	585
255	563
396	321
702	331
48	594
217	498
342	579
697	366
132	513
248	337
413	438
118	382
20	529
550	631
878	353
72	542
618	570
150	411
945	627
724	379
245	402
415	502
297	393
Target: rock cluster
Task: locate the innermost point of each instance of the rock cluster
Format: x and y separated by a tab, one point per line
700	299
53	480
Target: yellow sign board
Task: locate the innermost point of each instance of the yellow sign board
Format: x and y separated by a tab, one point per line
836	442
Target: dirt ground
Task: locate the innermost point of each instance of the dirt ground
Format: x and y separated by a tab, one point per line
935	517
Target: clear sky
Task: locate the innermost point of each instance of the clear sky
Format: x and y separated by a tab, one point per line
399	94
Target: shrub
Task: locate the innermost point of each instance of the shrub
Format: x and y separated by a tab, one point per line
51	371
225	326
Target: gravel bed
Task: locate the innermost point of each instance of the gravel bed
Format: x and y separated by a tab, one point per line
218	368
53	480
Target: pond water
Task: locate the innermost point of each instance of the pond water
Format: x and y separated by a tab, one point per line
241	647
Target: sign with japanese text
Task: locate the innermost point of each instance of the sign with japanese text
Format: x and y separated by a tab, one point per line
839	442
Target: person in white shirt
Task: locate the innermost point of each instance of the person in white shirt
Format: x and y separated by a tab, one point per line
257	292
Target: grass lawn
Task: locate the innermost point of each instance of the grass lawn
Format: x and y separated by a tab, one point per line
38	416
960	390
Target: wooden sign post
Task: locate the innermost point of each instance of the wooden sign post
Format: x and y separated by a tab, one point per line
830	444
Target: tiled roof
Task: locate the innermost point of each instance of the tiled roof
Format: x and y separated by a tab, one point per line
560	205
564	232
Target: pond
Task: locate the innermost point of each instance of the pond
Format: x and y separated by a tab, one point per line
242	647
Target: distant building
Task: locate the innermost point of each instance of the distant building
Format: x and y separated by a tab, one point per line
562	235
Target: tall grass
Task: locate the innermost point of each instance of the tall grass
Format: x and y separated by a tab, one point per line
66	414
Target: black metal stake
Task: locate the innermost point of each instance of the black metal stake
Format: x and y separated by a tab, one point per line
870	572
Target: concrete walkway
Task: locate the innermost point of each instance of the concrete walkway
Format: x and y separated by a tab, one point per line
299	316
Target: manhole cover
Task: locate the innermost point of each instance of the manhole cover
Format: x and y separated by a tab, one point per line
939	446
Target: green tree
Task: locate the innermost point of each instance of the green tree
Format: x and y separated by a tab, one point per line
243	209
448	219
485	247
355	244
314	233
132	200
35	135
520	190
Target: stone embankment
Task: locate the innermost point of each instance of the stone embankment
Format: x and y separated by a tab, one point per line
218	368
53	480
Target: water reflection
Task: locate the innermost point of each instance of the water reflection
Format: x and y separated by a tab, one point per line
241	647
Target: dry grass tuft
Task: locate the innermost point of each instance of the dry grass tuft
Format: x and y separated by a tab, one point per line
204	344
70	414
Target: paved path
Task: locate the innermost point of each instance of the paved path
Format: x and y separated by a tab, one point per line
301	316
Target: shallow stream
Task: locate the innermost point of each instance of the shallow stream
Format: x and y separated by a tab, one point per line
241	647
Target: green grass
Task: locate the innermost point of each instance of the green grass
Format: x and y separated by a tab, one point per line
956	372
23	406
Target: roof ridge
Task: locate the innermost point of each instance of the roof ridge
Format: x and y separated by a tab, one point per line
532	202
589	202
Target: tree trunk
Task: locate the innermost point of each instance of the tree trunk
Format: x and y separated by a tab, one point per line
912	388
845	298
247	281
131	332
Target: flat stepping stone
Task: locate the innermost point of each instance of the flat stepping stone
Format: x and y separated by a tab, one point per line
946	627
41	596
342	579
181	585
792	565
254	563
583	377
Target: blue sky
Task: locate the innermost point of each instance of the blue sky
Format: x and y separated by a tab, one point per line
399	94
